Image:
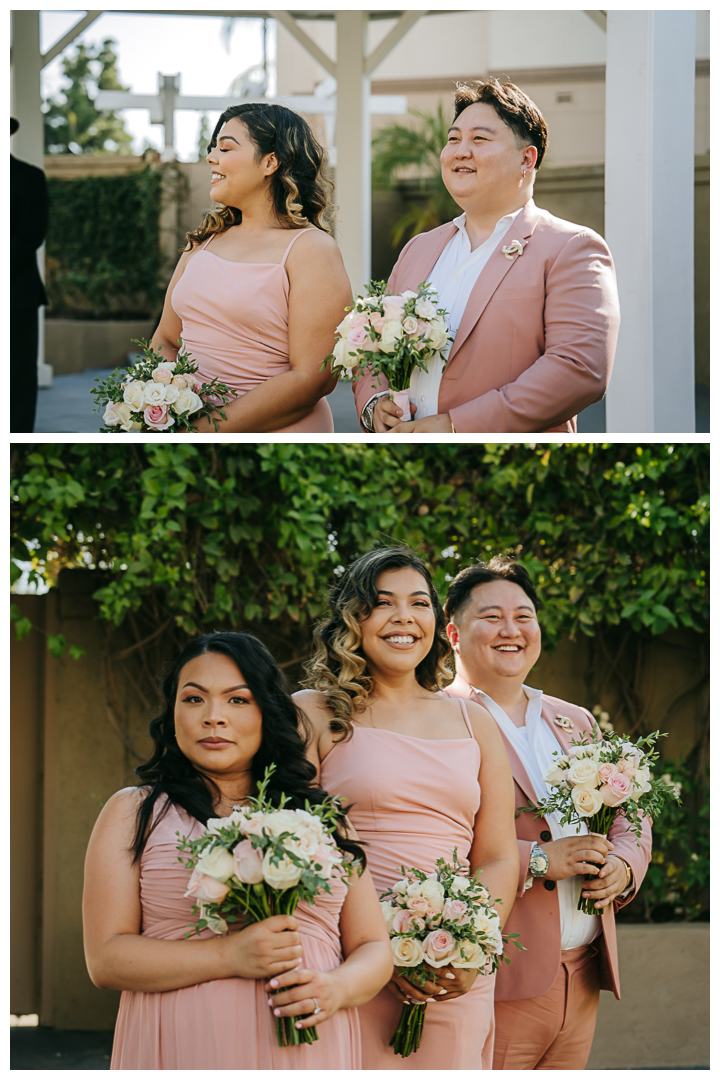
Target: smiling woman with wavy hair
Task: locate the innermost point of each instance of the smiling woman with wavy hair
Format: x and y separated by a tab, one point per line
412	766
258	308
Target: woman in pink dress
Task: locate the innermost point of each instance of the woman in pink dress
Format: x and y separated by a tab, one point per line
259	290
203	1002
413	772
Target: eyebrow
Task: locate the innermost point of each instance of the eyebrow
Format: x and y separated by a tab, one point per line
419	592
231	137
496	607
204	689
478	127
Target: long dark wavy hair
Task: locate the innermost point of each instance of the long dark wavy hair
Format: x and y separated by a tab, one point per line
284	738
300	188
338	667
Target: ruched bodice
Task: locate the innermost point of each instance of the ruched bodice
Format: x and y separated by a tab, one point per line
235	324
414	801
224	1023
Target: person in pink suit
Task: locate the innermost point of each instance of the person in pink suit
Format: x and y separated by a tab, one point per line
261	286
422	776
204	1002
546	1002
532	299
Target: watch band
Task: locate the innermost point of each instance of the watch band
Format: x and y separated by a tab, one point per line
366	416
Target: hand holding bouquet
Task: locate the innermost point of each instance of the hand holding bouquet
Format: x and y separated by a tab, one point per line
159	395
390	336
261	861
437	920
600	778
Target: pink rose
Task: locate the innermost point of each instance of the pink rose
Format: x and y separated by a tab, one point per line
358	335
197	385
204	887
180	381
357	318
433	918
439	948
606	771
393	307
162	375
456	911
617	790
248	863
401	921
157	417
417	904
328	859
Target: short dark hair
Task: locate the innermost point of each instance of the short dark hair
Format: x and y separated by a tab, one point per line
500	568
512	105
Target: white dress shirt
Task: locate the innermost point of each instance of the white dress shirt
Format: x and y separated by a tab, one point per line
534	744
453	277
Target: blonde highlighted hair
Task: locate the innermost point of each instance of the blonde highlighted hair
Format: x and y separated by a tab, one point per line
338	667
299	187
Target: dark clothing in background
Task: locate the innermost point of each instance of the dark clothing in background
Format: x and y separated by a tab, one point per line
28	226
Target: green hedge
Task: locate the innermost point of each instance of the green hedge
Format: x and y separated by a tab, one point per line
103	245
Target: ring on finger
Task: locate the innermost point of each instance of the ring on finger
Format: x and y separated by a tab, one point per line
317	1008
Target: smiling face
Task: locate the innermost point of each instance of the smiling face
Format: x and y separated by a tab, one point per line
482	164
218	723
496	637
398	633
238	175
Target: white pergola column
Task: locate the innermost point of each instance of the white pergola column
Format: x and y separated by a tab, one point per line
352	139
649	207
28	143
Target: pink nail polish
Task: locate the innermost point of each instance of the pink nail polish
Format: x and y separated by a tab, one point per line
273	982
298	1025
276	1011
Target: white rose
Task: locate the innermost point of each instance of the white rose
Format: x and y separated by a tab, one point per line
460	884
280	875
437	337
413	888
425	309
587	801
486	922
172	393
280	821
154	393
389	911
641	782
134	395
406	951
215	824
408	294
311	822
169	364
433	892
110	416
400	887
217	863
304	842
345	326
188	401
474	955
410	325
342	356
583	772
556	774
391	331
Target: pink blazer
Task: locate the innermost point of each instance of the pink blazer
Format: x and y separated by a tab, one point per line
537	340
536	913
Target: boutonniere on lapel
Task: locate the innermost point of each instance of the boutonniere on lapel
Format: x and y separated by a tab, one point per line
564	722
511	250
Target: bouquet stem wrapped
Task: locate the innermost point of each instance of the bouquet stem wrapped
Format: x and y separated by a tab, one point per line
261	861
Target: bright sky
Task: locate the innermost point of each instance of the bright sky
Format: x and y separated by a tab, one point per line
147	44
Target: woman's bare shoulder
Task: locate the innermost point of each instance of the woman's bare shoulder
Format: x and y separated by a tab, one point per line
481	720
312	702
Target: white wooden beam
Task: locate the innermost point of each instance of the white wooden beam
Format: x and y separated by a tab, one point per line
67	39
287	20
393	38
352	140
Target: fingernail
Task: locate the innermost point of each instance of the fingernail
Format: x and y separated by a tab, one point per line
270	1002
442	991
429	999
449	976
276	1011
298	1025
273	982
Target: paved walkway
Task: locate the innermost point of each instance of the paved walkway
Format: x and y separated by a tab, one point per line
67	406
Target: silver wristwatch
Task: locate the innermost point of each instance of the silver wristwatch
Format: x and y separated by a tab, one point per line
366	416
539	862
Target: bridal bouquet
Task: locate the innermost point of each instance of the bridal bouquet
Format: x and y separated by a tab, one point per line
435	920
391	336
261	861
600	778
159	395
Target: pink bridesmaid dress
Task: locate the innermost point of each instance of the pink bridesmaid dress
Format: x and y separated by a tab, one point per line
414	801
226	1023
235	324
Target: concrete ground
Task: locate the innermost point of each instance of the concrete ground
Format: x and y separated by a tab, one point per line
67	407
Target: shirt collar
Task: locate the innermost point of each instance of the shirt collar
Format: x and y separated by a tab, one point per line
530	693
503	223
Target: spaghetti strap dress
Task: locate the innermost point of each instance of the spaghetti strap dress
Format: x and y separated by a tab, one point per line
235	324
224	1023
414	801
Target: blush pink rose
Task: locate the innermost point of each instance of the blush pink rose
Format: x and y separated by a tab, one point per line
357	318
393	307
606	771
157	417
180	381
248	863
162	375
358	335
617	790
204	887
433	918
456	911
439	948
197	385
328	860
401	923
417	904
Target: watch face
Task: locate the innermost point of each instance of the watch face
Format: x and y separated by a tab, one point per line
539	864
